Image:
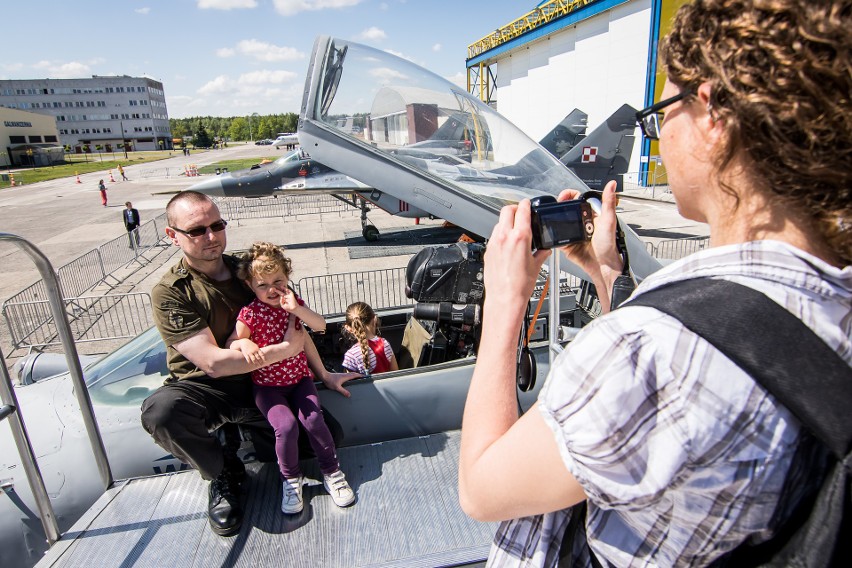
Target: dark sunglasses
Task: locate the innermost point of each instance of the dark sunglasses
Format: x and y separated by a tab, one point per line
651	120
199	231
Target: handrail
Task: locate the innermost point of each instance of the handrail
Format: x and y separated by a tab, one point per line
8	397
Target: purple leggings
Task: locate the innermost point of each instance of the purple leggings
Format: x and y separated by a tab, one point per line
280	405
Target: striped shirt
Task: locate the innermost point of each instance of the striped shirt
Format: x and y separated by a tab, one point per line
681	455
353	360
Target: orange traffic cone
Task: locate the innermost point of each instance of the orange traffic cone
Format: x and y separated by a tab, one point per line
112	179
78	177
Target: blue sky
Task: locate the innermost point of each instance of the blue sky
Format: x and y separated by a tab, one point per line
235	57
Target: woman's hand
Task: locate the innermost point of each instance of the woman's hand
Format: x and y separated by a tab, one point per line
511	268
598	257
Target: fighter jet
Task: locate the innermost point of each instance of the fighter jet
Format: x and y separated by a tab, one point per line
458	138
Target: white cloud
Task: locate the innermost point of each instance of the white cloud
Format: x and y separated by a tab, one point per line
383	6
225	52
436	47
400	54
263	51
69	70
373	34
292	7
459	79
221	84
386	74
265	77
226	4
144	11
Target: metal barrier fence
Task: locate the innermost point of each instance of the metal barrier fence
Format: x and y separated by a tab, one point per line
148	173
679	248
239	208
330	295
91	318
27	313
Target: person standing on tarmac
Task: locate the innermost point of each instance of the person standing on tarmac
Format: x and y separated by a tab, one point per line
102	189
131	223
195	309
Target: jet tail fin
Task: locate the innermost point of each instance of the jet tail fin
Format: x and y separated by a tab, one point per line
604	154
566	134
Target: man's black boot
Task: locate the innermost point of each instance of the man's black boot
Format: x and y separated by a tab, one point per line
224	511
235	471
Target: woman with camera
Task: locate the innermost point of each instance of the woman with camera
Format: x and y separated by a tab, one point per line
678	455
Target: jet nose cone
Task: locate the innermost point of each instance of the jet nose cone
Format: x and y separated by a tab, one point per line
212	187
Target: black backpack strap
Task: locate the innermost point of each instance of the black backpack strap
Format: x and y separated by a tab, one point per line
770	344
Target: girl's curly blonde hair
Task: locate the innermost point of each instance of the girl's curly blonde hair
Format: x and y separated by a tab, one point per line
263	258
781	79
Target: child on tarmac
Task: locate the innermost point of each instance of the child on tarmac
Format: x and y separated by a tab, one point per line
371	353
285	391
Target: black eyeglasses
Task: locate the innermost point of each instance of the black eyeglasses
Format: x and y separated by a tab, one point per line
651	119
199	231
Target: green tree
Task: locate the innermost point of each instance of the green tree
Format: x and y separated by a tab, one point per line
239	129
201	139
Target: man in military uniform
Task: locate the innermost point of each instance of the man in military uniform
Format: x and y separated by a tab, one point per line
195	308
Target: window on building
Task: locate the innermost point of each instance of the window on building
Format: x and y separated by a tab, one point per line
35	139
50	138
17	139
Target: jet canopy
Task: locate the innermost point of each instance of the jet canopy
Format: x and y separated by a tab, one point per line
389	106
405	131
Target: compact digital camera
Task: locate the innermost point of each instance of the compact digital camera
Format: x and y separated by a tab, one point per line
558	223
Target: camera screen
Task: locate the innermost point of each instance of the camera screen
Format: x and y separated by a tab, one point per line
561	226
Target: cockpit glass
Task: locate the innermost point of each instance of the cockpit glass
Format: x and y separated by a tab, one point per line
128	375
432	124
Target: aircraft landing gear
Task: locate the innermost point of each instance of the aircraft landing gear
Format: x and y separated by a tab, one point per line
369	231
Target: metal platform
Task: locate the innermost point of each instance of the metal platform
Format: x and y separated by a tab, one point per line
406	514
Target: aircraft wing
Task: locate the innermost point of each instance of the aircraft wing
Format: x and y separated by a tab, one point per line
404	106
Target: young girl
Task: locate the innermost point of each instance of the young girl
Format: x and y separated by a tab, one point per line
102	189
285	390
363	325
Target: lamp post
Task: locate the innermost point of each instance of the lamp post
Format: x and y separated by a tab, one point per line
251	137
123	141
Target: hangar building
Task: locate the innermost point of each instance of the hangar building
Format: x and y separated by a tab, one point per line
594	55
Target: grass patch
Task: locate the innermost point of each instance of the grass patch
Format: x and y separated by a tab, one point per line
77	164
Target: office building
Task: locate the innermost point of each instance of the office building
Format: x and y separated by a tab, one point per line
105	111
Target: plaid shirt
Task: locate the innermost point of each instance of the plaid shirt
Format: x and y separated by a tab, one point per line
681	455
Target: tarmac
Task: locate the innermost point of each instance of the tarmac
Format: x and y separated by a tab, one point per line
65	219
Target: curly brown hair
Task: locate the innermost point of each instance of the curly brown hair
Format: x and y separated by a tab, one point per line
359	316
781	78
263	258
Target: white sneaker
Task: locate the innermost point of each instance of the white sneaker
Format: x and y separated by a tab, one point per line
337	486
292	502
